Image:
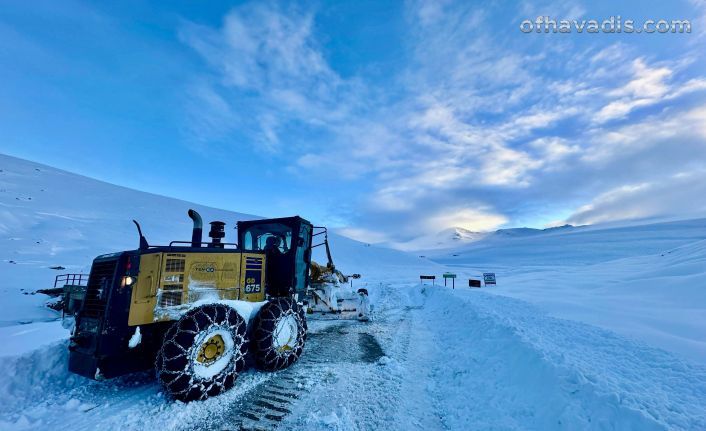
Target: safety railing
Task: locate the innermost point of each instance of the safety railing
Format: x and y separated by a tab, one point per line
71	280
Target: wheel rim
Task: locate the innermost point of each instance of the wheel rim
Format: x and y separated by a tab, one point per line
212	352
285	334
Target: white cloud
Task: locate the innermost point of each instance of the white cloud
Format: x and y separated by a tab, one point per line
648	86
667	129
663	197
554	149
269	67
474	219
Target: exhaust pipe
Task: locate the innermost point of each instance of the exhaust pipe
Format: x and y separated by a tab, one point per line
197	233
143	241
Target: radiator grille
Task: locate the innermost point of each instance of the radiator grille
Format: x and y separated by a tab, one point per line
171	295
99	283
174	265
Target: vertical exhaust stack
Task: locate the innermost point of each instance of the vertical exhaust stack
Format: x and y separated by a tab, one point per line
218	232
143	241
197	233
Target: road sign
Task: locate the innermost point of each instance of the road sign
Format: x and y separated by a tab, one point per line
427	277
489	278
452	276
473	283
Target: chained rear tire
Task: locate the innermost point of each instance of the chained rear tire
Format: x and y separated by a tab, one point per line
202	353
279	335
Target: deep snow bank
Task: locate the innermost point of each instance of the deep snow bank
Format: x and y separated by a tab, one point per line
494	362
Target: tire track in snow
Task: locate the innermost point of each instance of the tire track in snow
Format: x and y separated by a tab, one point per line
268	404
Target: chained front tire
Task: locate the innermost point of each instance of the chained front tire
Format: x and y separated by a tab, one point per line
279	335
202	353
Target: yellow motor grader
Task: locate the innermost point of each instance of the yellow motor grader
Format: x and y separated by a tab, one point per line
198	311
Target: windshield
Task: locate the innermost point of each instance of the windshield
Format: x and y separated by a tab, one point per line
268	237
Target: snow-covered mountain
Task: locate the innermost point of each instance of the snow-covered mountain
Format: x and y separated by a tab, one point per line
447	238
457	237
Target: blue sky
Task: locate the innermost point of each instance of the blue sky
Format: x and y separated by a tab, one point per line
385	119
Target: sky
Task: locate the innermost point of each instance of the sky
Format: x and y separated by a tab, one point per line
385	120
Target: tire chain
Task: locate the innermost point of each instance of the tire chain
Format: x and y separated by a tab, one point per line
269	358
174	366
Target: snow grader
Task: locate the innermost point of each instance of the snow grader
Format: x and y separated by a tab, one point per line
200	312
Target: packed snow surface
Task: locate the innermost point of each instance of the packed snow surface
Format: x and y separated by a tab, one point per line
647	282
588	328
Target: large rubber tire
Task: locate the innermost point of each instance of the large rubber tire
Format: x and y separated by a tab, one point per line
182	367
279	335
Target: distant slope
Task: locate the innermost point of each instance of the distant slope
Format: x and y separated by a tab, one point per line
456	238
580	245
53	218
447	238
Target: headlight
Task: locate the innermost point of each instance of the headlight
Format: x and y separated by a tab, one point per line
129	281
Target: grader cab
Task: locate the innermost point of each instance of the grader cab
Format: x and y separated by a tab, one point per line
197	311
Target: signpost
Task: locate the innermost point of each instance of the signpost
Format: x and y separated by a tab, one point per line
452	277
489	278
427	277
473	283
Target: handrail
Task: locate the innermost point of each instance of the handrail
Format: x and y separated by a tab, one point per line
71	280
171	244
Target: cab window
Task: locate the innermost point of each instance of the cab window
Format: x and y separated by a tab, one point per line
268	237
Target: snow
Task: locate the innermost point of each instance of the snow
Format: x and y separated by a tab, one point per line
447	238
520	368
647	282
23	339
135	339
588	328
246	310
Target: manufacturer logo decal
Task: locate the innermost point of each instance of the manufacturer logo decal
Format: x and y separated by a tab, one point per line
204	268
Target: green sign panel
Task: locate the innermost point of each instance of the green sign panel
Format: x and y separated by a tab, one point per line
449	275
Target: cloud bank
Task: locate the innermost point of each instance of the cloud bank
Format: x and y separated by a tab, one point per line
479	126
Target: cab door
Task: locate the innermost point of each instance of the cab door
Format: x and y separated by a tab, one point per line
302	259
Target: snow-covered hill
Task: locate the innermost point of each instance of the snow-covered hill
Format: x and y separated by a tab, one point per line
53	218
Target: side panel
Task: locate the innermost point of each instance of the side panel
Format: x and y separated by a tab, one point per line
144	294
168	283
210	276
190	277
253	280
